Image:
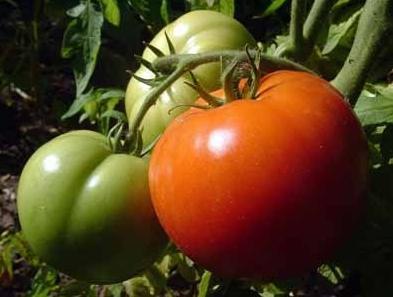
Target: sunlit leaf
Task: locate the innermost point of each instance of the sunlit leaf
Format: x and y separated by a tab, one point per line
78	104
341	32
153	12
164	11
331	273
111	11
224	6
138	287
114	114
81	43
375	105
273	7
76	11
203	287
116	290
44	282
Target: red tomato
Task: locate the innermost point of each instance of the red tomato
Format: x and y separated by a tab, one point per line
266	188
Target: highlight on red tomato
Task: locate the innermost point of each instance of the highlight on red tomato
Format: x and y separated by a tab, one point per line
87	211
267	188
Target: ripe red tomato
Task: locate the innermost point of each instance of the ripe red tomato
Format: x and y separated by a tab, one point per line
266	188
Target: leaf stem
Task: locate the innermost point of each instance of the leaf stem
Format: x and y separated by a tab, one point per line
375	26
314	23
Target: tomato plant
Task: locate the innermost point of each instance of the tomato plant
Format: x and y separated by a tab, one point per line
87	211
189	35
265	188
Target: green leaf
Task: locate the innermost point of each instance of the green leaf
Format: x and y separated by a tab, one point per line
185	266
97	95
44	282
203	286
151	11
341	3
331	273
79	103
106	94
156	278
81	43
75	288
76	11
341	33
83	117
271	290
164	11
6	260
224	6
116	290
114	114
111	11
21	246
375	106
138	287
227	7
273	7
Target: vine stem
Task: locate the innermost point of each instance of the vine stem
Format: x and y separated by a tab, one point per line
178	65
314	23
375	25
34	51
298	9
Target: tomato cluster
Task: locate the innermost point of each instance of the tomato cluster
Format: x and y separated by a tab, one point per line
261	188
85	209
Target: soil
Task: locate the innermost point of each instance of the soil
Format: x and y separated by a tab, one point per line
24	126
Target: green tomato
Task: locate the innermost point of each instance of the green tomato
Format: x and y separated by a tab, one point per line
195	32
87	211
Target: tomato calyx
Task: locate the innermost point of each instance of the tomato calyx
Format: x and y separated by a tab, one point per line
121	142
240	80
159	75
113	137
212	100
171	68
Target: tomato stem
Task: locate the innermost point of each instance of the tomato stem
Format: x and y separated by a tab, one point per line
375	26
267	63
227	82
178	65
314	23
149	101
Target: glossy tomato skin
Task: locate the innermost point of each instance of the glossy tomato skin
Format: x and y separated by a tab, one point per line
195	32
87	211
263	189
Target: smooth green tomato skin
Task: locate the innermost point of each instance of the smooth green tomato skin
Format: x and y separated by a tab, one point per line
195	32
87	211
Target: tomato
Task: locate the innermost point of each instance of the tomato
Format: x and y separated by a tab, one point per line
267	188
189	35
87	211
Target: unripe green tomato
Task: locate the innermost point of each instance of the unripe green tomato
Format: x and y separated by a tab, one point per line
87	211
195	32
